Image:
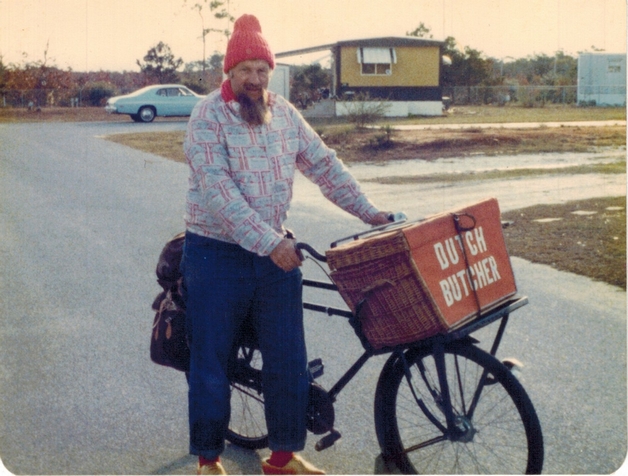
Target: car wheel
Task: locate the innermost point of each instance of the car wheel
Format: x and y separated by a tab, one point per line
146	114
135	117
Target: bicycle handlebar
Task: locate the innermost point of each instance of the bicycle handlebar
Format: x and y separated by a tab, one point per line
310	250
395	219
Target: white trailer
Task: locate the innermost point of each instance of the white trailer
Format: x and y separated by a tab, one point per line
280	80
602	79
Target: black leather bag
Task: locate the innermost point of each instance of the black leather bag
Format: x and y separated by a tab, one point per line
168	344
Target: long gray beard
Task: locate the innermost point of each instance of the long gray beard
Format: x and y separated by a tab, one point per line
255	113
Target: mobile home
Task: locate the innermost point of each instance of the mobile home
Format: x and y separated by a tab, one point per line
602	79
405	72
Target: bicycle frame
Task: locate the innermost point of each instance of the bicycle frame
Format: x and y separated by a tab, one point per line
435	343
436	396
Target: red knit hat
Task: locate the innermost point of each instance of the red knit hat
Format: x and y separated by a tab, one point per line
247	43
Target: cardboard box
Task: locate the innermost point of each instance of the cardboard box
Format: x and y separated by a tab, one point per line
425	278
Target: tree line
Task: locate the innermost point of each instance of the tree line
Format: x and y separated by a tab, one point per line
468	67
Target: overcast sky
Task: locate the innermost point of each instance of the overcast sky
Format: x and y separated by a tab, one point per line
90	35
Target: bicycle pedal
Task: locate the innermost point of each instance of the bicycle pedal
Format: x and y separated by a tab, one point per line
328	440
316	368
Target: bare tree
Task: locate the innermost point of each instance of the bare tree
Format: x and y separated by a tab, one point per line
219	11
161	64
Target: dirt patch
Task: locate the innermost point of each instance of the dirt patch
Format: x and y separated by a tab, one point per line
586	237
364	146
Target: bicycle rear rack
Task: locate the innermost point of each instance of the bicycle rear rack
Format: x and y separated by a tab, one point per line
502	312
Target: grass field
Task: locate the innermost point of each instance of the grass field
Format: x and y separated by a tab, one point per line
499	115
586	237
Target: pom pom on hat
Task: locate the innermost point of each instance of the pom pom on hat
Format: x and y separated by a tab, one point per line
247	43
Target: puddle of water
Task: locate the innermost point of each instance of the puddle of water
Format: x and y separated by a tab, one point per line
425	199
481	163
419	201
584	213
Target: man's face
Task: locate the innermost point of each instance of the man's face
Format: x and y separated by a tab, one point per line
250	77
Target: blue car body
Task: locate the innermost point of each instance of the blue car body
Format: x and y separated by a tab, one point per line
147	103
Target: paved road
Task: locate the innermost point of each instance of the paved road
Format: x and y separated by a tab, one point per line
82	221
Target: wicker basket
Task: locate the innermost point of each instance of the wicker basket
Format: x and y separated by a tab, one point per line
393	281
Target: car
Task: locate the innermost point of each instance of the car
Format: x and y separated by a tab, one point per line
149	102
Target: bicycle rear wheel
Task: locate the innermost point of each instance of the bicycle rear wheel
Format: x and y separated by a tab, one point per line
497	428
247	426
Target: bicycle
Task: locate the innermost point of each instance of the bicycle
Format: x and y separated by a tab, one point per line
442	405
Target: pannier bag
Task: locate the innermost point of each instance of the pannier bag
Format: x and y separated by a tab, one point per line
168	344
424	278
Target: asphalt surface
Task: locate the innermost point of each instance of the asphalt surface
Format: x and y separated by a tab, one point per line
82	222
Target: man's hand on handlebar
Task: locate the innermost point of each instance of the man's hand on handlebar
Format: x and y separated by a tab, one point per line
382	218
285	255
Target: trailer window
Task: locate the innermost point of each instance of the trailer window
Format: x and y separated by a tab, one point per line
377	61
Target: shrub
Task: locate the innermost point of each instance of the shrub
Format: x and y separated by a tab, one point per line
530	97
97	93
198	87
591	103
362	110
335	135
383	140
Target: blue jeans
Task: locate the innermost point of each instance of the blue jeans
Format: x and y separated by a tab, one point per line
223	284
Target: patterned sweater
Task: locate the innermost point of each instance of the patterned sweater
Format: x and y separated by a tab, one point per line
241	177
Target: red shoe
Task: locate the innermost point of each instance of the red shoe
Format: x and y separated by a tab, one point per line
296	465
212	468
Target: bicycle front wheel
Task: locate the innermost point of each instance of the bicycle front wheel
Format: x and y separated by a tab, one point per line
247	426
496	429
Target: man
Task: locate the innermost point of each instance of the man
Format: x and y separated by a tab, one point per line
243	145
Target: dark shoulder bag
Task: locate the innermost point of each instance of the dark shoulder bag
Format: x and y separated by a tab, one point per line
168	343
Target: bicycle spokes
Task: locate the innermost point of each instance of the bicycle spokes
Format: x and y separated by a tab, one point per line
472	417
448	397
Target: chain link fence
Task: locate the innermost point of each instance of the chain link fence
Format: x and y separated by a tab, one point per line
536	96
72	97
34	98
527	96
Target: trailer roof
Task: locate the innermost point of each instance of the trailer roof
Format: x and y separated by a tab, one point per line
386	41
